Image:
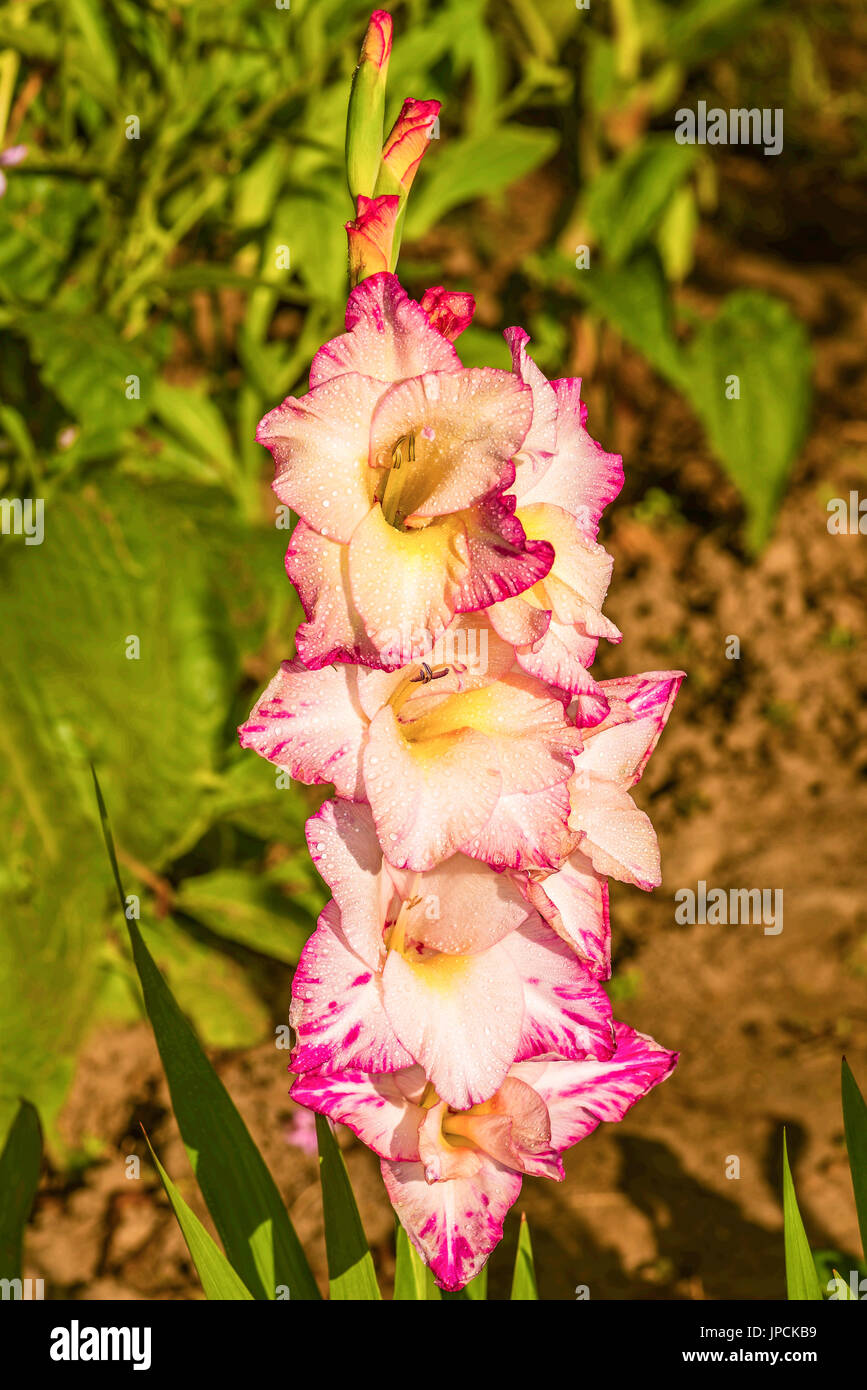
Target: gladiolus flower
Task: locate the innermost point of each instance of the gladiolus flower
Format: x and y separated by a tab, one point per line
397	461
453	1175
471	761
412	967
449	1005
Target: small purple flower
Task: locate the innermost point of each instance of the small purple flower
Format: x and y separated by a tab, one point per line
13	155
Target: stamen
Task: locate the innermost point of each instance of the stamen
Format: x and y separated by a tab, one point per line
396	478
426	675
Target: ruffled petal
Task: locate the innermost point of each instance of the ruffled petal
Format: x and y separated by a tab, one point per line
375	1108
502	561
566	1010
453	1225
321	443
428	797
345	848
578	579
337	1008
405	584
647	698
311	724
334	631
581	477
526	831
574	900
524	726
521	621
616	836
579	1095
560	659
466	907
388	337
541	441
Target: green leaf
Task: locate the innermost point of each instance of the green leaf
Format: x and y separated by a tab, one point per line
351	1275
214	992
19	1178
756	437
635	300
38	219
628	197
238	1189
117	560
197	422
413	1279
524	1288
88	368
249	909
219	1279
801	1281
855	1126
477	1289
476	166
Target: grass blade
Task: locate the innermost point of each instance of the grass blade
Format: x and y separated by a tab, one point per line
524	1289
238	1189
351	1274
855	1126
801	1280
219	1279
19	1176
413	1280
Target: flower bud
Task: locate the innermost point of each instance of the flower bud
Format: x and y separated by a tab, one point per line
371	236
449	311
404	149
366	113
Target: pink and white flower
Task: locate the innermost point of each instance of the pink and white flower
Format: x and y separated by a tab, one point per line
397	461
472	761
453	1175
452	969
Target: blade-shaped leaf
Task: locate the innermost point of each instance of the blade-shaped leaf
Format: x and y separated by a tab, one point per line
19	1176
524	1288
219	1279
413	1279
801	1281
855	1126
351	1274
238	1189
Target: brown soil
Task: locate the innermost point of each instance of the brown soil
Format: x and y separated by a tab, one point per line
759	781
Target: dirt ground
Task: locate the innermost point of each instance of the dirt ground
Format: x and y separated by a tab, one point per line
760	781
